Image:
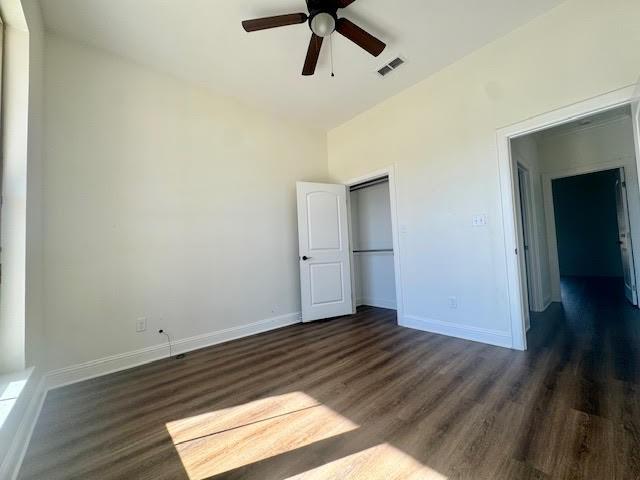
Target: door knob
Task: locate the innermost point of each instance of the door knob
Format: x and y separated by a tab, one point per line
305	258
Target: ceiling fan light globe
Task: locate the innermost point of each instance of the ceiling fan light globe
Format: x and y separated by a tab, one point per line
323	24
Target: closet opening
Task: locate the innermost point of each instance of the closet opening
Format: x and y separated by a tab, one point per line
373	265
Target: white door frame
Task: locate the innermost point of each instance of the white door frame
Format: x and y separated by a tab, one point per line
517	303
391	173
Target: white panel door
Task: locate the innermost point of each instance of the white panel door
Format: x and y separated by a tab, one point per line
624	239
325	256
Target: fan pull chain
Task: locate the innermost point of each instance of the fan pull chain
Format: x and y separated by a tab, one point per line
331	45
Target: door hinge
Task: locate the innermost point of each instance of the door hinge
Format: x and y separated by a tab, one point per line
516	251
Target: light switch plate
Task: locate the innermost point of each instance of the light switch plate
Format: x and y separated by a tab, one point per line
480	220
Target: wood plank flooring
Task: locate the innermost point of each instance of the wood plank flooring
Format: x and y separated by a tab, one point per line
362	398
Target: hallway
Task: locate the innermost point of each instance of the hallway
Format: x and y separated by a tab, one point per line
590	348
597	328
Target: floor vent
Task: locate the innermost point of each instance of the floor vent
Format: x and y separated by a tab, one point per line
391	66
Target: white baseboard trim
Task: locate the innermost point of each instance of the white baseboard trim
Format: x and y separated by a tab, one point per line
466	332
18	447
104	366
376	302
124	361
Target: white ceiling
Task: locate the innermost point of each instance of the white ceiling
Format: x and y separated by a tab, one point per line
202	41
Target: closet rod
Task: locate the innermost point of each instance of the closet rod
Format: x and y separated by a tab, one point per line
371	183
374	251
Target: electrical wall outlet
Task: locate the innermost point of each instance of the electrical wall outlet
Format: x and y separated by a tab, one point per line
453	303
141	325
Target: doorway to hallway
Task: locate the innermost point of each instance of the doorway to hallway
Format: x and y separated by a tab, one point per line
577	208
593	234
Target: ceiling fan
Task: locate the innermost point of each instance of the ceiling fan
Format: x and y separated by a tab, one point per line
323	21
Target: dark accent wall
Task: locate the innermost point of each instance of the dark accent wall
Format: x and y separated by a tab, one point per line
586	225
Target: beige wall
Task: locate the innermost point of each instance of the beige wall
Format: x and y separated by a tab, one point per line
162	201
442	135
595	145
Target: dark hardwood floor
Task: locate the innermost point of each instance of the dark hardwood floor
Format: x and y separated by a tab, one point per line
360	397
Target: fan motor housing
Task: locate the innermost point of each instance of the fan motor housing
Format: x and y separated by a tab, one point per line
317	7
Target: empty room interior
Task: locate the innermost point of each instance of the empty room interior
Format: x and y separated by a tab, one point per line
321	239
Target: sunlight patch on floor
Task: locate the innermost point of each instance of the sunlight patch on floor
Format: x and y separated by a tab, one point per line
237	416
224	440
382	462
